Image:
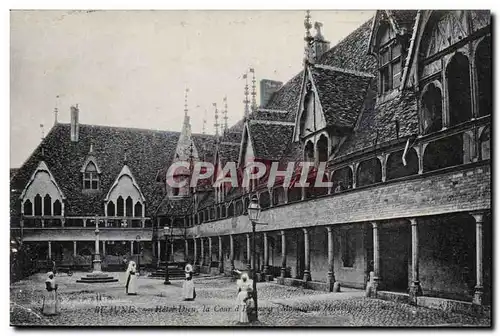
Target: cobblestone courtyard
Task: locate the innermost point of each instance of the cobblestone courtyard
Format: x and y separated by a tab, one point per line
157	305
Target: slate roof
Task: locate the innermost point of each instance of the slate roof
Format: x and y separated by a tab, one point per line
228	153
205	144
175	206
147	152
270	140
382	119
352	52
341	94
287	97
404	18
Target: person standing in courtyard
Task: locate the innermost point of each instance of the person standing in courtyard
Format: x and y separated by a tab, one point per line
50	301
131	285
245	286
188	290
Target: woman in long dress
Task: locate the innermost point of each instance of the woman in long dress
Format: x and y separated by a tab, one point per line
188	290
50	300
131	286
245	286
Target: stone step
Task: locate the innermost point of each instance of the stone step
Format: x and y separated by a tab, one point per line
97	280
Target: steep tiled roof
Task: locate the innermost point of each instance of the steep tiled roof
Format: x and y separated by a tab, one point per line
270	140
175	206
273	115
147	152
351	52
287	97
205	144
382	118
404	18
228	152
341	94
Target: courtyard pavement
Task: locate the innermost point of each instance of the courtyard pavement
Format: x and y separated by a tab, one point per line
160	305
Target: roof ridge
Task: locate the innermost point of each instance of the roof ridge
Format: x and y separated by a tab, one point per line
271	110
125	128
272	122
352	72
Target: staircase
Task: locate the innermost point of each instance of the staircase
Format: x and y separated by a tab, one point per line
175	270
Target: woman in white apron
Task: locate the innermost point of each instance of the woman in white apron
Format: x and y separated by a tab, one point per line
50	300
245	286
188	290
131	285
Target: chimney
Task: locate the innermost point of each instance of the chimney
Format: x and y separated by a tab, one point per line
267	88
320	44
74	123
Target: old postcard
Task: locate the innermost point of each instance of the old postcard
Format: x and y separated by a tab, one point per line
251	168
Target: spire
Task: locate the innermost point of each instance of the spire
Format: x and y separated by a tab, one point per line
254	90
186	102
216	124
308	50
56	110
42	131
246	101
225	113
125	159
204	123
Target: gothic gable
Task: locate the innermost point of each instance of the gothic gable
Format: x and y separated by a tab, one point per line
125	185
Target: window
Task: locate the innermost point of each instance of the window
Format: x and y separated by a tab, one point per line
91	177
347	246
389	59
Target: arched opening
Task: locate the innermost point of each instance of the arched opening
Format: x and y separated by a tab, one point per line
239	207
128	207
309	152
47	205
246	205
485	140
484	79
223	211
28	208
342	179
264	200
217	215
138	209
202	217
111	209
120	207
316	191
396	167
207	215
38	205
369	172
57	208
278	196
212	212
294	194
230	210
459	92
432	109
322	147
444	153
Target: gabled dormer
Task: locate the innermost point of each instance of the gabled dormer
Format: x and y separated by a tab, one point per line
125	197
90	172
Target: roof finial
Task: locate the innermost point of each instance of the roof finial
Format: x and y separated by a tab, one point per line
203	131
42	131
91	150
225	113
125	159
56	110
216	124
246	101
254	90
186	102
309	51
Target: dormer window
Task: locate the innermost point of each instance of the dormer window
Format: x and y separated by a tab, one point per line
389	59
90	177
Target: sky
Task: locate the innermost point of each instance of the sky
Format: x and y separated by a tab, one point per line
131	68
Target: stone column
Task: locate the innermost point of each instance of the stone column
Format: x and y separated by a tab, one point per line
131	247
266	254
202	257
158	250
376	259
415	289
283	254
221	267
50	251
478	290
231	251
330	277
74	248
186	250
209	251
84	222
249	253
172	250
307	272
286	194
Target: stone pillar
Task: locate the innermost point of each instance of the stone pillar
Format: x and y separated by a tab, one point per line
307	272
266	254
221	267
415	289
478	290
172	250
186	250
330	277
84	222
271	200
286	194
202	258
103	247
376	259
50	251
283	254
231	251
74	248
249	253
209	251
131	247
195	252
158	250
383	163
